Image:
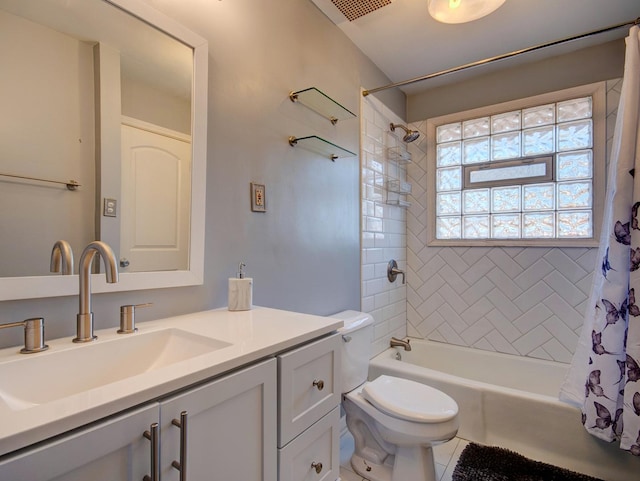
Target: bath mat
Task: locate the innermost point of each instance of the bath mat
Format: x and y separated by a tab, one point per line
488	463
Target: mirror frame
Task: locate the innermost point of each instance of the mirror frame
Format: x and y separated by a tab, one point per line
31	287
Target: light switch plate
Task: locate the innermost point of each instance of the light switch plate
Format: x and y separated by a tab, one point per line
258	197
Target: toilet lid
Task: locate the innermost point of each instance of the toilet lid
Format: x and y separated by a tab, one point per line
409	400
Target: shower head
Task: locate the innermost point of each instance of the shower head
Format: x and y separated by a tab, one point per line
410	135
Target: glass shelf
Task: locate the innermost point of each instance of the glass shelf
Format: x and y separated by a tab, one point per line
398	186
399	202
399	154
320	146
322	104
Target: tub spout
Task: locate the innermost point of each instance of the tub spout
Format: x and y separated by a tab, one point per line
84	318
395	342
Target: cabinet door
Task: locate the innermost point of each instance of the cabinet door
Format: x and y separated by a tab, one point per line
230	428
107	451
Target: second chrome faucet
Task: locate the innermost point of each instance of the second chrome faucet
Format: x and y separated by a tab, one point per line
62	258
84	319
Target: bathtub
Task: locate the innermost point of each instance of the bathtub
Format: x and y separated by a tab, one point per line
512	402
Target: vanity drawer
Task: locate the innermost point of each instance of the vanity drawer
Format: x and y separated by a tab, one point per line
309	385
315	454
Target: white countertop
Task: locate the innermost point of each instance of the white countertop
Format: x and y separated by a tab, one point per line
252	335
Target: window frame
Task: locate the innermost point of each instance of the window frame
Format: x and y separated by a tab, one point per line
599	113
467	170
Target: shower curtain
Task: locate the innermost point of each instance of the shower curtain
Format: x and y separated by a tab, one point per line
604	377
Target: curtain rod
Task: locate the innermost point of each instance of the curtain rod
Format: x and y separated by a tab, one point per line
499	57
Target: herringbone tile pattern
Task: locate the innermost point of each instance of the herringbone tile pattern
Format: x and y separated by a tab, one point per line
525	301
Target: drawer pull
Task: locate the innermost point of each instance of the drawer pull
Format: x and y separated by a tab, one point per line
317	467
320	385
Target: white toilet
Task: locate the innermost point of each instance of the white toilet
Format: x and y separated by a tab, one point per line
394	421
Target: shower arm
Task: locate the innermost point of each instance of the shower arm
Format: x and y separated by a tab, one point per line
394	126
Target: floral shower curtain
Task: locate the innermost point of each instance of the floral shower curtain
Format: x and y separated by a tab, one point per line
604	378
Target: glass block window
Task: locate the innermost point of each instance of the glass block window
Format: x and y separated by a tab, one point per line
517	175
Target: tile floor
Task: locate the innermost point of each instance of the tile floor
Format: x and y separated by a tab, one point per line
446	456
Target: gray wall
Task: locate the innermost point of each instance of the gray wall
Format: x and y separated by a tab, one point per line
61	152
588	65
304	252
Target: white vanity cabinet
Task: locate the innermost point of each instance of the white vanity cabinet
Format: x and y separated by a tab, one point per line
308	412
266	391
230	426
114	449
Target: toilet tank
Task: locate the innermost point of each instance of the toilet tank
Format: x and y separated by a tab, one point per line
357	335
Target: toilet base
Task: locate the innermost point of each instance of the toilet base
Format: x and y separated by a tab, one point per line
369	470
413	463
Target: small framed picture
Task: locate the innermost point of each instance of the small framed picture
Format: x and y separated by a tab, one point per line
258	198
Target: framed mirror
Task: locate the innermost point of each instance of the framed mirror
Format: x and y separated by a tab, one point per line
102	136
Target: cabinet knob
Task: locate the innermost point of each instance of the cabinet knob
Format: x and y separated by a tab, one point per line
320	385
317	467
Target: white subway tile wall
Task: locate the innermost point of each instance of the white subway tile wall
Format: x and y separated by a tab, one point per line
384	233
525	301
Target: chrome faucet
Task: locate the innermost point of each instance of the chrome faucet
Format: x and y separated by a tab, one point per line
395	342
62	258
84	319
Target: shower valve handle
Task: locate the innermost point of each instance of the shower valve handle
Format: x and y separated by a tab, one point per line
393	271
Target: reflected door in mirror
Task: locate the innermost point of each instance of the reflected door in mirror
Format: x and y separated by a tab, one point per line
156	193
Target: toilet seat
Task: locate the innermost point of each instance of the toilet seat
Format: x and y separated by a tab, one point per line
409	400
392	428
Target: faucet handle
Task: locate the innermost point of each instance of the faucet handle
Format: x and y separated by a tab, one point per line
393	271
128	317
33	334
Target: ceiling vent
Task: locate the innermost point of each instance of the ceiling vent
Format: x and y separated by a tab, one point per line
353	9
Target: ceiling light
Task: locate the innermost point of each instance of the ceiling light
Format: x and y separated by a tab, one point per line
460	11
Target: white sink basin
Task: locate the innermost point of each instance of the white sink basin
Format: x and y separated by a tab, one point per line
46	377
